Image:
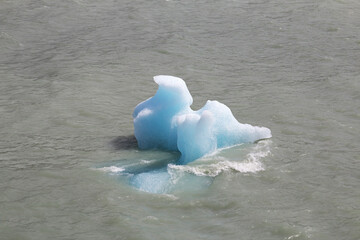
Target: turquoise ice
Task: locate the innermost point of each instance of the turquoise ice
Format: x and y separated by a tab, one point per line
166	121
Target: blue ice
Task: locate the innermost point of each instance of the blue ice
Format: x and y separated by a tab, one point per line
166	121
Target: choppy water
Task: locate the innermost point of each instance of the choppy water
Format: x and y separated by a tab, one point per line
71	73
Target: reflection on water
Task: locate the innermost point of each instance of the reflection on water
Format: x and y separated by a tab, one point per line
124	142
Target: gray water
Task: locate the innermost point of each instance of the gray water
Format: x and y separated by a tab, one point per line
71	73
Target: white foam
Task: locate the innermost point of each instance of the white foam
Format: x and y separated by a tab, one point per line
251	164
112	169
145	161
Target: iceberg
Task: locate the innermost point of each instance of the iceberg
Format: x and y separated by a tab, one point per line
166	121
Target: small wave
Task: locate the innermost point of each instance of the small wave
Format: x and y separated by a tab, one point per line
146	162
251	164
261	150
212	170
111	169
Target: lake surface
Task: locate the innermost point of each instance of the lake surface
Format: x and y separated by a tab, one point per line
71	73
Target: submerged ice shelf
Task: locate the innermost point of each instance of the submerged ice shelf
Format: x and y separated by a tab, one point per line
155	171
166	121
